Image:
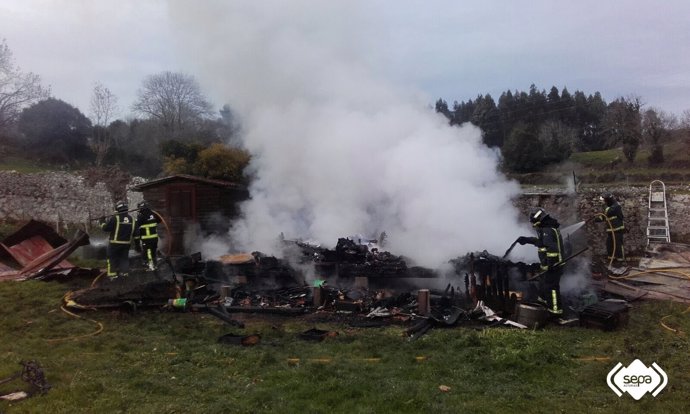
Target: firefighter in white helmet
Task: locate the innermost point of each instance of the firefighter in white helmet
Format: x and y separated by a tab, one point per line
551	252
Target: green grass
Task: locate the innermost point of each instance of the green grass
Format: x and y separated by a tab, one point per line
23	165
597	158
155	361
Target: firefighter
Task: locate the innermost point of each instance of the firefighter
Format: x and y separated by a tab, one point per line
146	235
550	249
121	228
614	232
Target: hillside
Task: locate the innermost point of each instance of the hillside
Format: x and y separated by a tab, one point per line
611	167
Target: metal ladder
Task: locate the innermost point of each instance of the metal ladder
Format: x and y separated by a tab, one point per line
657	217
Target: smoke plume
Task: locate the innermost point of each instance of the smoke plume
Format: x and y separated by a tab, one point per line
338	148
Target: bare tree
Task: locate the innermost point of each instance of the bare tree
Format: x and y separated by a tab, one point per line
174	99
103	110
17	89
657	127
624	125
685	119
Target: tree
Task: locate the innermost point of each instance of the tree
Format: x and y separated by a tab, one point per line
17	89
217	161
487	117
462	112
590	113
656	127
175	100
134	146
56	131
623	125
557	141
229	127
182	150
223	163
685	119
441	107
103	109
523	151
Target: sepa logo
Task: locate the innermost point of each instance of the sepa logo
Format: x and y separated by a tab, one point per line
637	379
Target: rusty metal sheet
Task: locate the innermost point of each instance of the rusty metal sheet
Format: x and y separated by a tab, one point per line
28	250
30	241
34	250
53	258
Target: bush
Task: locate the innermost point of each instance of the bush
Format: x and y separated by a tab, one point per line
221	162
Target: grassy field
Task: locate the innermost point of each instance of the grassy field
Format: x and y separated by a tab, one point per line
22	165
155	361
611	167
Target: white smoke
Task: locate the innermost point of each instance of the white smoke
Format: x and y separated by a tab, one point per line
337	149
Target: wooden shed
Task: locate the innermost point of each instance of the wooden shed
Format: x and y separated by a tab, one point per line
186	200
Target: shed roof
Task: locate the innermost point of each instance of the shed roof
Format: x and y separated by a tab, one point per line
188	178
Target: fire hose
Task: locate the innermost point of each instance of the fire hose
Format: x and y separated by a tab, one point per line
510	248
559	264
165	223
613	238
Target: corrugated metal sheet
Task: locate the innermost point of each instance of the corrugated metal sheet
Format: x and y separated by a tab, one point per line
28	250
34	250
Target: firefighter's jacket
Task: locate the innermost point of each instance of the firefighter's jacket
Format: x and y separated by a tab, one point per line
146	227
120	226
549	245
614	213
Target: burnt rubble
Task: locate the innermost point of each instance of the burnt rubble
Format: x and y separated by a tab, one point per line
353	281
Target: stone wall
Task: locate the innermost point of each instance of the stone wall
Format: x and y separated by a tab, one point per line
58	198
570	208
62	199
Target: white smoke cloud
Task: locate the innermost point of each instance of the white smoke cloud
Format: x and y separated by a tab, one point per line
338	150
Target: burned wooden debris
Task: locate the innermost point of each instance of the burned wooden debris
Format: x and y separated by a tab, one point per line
263	284
606	315
664	274
481	290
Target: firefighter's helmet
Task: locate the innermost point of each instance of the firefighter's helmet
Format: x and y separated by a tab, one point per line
142	205
121	206
537	215
608	199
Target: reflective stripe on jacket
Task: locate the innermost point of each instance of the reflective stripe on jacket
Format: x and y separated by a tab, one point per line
549	246
147	225
121	228
614	214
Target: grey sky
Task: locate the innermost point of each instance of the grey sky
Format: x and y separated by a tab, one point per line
449	49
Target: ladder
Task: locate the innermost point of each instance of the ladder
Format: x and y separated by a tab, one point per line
657	217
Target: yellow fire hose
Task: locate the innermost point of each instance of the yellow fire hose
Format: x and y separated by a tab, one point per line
67	301
613	238
167	232
613	250
676	271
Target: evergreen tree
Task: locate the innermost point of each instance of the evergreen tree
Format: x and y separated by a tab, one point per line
523	151
557	141
441	107
55	131
487	118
